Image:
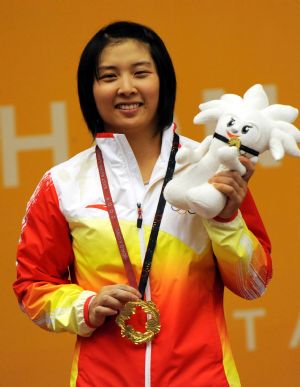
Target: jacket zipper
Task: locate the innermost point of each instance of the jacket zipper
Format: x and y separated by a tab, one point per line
139	220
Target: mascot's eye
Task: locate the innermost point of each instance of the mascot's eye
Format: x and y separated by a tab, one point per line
246	129
231	122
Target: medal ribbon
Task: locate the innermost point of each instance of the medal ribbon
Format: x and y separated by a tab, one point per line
156	223
242	147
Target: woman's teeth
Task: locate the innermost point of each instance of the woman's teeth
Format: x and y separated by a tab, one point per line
128	106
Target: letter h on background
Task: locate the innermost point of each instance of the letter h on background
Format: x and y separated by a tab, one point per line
12	144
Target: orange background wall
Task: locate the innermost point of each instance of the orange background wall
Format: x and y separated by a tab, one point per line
215	44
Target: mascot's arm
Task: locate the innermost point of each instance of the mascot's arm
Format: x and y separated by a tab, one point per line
189	155
44	256
242	249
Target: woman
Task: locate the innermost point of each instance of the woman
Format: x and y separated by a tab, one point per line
70	271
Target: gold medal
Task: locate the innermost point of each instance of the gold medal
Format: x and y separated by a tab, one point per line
235	141
152	324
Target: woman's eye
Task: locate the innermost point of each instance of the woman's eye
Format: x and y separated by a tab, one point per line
107	77
246	129
231	122
141	73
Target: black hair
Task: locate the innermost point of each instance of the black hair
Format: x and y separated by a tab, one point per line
87	71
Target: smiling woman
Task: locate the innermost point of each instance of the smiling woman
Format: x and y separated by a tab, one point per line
126	89
93	216
126	92
151	52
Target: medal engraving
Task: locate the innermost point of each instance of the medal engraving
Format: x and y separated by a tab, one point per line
152	324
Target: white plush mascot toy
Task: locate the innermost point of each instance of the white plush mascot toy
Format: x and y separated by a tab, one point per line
245	126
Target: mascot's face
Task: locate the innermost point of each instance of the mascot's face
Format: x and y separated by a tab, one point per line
244	126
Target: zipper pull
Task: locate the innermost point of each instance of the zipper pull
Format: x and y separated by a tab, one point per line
139	220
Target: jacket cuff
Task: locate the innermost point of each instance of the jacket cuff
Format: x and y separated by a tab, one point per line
226	220
235	222
86	307
84	329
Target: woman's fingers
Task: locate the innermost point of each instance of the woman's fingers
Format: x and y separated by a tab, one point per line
109	301
97	314
101	311
229	182
123	293
233	185
250	167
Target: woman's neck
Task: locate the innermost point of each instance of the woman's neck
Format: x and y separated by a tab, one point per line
146	148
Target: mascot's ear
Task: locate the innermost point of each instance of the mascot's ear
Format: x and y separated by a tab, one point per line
279	112
232	98
256	97
211	110
207	115
281	143
276	148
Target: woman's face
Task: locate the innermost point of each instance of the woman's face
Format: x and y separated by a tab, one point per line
127	90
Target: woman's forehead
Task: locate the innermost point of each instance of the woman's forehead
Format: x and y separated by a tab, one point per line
129	50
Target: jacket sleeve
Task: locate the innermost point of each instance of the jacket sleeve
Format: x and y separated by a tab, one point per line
242	250
44	257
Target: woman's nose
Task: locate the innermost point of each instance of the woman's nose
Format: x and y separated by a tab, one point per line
126	85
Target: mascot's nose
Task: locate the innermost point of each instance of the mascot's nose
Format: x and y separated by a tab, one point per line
234	130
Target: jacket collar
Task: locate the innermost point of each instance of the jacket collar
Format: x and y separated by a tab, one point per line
117	151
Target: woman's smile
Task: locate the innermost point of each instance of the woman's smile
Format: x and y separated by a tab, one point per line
128	108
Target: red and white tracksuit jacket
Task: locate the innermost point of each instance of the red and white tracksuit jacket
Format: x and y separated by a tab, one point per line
67	252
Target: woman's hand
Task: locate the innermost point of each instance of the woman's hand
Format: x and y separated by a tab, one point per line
234	186
109	301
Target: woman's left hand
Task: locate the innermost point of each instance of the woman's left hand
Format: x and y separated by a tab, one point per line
234	186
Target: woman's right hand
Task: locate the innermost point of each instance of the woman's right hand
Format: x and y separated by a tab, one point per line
109	301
